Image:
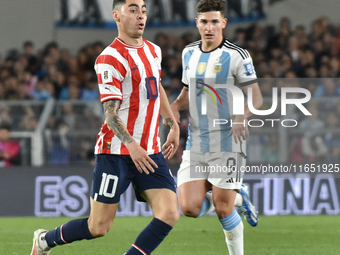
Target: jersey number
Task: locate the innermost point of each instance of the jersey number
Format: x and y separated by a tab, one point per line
231	164
151	87
108	185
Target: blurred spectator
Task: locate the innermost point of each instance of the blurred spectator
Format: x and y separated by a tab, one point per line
332	139
72	91
86	152
58	143
29	121
313	145
328	88
90	92
41	92
87	120
271	150
5	116
9	149
68	116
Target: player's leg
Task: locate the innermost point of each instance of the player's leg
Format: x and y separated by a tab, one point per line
158	189
101	217
103	210
230	220
97	225
193	198
164	206
225	186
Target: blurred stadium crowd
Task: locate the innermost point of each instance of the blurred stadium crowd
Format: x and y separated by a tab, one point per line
278	52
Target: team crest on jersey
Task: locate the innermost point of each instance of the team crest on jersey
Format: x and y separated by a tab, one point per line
217	68
201	67
108	145
158	63
249	68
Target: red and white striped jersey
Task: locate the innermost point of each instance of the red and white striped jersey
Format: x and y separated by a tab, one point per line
132	75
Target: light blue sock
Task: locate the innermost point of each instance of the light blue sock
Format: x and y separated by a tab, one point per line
231	221
205	207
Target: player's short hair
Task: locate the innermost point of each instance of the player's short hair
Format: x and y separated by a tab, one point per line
117	3
210	5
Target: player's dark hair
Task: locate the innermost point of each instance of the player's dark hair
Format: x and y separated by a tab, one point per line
117	2
210	5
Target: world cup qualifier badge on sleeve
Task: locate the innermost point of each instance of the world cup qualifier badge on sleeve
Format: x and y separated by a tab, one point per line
249	68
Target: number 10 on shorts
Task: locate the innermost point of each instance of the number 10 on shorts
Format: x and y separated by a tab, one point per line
108	185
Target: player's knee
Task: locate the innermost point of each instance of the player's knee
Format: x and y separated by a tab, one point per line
224	209
190	210
170	216
99	229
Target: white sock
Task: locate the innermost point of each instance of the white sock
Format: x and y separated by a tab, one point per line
234	239
233	230
238	200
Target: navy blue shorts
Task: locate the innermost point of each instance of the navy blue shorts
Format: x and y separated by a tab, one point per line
113	174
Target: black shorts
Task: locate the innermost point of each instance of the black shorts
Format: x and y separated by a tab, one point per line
113	174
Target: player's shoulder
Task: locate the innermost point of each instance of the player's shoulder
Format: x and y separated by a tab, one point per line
193	45
235	49
110	50
149	43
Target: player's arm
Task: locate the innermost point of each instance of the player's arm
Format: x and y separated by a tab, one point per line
172	142
181	103
239	131
139	156
256	97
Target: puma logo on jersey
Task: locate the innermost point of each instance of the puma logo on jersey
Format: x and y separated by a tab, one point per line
134	67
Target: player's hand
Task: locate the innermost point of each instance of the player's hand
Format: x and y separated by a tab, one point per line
172	142
141	158
239	131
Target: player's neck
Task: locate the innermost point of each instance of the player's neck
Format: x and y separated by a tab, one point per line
209	46
131	41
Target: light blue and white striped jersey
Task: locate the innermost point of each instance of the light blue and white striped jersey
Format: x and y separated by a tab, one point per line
205	73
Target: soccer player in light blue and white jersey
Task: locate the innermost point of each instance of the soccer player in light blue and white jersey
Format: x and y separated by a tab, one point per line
215	71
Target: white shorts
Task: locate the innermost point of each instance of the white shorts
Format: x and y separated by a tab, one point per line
221	169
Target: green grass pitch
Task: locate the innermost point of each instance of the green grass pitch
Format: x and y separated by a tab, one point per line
275	235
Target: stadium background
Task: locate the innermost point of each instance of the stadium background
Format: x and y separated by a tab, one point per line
57	133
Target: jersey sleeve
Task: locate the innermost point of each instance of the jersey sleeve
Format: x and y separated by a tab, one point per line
110	74
184	68
245	72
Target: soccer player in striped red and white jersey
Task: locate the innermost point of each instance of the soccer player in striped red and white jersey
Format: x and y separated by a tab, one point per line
128	145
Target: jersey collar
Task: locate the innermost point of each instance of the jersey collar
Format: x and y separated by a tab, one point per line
218	47
130	46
